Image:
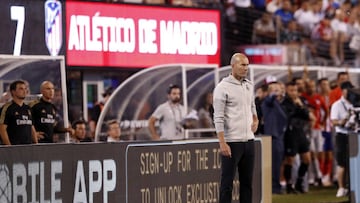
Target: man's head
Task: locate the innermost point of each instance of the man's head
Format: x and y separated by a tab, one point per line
299	83
292	90
107	93
262	91
113	129
240	66
305	5
310	87
339	14
47	90
274	88
342	77
266	17
18	89
325	22
286	5
174	94
324	85
80	129
292	25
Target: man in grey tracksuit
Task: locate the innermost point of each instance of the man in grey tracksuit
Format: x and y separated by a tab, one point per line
236	121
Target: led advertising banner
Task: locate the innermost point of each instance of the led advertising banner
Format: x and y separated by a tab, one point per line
32	27
120	35
265	54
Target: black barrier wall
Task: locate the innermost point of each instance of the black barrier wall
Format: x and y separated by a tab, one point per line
171	172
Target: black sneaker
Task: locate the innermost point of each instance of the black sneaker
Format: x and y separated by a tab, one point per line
299	187
319	182
290	190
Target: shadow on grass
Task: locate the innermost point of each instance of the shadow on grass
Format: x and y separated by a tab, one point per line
315	195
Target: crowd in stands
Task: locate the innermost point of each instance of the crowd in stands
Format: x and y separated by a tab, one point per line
327	30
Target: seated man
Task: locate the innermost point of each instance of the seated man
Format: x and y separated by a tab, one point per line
291	34
113	131
80	132
264	30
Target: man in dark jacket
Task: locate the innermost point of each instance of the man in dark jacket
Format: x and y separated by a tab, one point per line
275	121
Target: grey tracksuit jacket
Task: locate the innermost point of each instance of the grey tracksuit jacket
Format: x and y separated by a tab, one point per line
234	108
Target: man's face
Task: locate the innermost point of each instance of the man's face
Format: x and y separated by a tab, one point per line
240	68
175	95
80	131
266	18
274	88
300	85
311	87
292	91
325	86
114	130
287	5
20	91
48	91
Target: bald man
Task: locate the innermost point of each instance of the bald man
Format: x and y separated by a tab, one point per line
44	114
236	121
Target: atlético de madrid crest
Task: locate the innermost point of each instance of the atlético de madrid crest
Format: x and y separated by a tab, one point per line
53	26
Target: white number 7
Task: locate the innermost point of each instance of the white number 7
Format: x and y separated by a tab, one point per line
18	14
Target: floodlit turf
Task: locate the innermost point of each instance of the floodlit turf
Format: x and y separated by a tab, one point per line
315	195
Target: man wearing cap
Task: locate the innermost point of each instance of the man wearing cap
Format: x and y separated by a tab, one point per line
339	115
